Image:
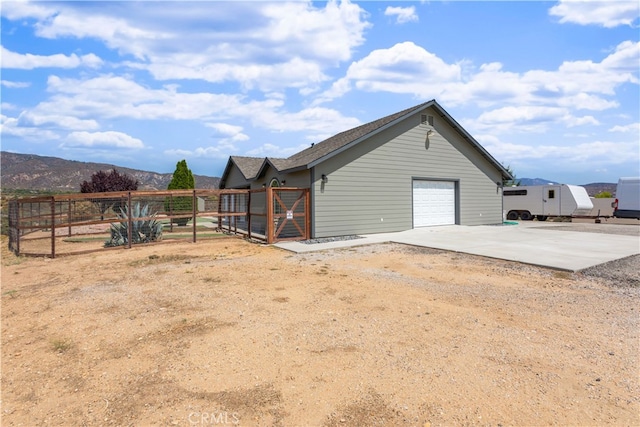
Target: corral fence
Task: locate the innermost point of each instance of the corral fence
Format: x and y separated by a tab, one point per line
67	224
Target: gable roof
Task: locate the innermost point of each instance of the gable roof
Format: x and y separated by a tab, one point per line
248	167
330	145
251	167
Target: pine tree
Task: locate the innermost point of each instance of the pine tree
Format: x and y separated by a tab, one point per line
182	180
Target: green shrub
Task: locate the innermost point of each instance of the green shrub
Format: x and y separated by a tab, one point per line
142	230
182	179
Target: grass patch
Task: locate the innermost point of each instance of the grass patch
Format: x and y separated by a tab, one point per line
566	275
61	345
157	259
166	236
84	239
12	293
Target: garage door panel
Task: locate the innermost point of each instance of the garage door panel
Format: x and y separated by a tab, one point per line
433	203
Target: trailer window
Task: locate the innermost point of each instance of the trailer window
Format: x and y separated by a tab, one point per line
552	194
514	192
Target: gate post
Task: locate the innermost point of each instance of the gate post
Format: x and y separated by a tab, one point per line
248	213
269	227
307	213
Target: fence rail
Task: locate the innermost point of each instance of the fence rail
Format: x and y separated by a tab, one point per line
78	223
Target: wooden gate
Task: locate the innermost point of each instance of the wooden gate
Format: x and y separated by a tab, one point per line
289	214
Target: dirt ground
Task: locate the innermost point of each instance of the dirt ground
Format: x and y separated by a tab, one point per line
226	332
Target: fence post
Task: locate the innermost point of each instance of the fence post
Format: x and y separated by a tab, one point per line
195	207
14	225
269	228
171	213
129	220
248	211
69	218
307	213
53	227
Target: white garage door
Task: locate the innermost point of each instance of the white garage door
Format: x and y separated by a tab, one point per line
434	203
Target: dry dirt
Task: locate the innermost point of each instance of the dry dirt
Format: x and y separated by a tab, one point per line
230	332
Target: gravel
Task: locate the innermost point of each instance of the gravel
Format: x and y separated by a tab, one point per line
330	239
623	272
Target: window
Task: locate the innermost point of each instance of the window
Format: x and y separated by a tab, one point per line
552	194
514	193
277	209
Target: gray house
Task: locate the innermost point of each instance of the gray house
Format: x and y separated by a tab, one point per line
414	168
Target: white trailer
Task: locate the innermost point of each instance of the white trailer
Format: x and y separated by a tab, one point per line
544	201
627	203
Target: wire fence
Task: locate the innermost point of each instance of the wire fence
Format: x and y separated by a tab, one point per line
78	223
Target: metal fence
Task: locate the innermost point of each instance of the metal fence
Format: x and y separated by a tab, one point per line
78	223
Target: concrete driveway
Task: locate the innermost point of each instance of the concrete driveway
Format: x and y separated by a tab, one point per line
543	244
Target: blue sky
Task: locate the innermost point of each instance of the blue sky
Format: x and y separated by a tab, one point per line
550	89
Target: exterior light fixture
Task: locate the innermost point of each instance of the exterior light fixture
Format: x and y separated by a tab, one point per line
325	178
426	140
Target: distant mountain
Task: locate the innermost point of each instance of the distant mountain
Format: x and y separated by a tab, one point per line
31	172
599	187
535	181
592	189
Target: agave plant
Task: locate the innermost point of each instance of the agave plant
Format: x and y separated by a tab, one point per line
142	230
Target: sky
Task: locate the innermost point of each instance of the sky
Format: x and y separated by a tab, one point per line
550	88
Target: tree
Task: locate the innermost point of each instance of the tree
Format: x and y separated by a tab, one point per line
510	182
107	182
604	195
182	179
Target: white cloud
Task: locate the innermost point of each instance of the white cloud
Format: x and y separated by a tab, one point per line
232	131
15	85
81	104
630	128
403	68
536	119
317	122
6	106
529	101
29	61
258	44
583	154
212	152
55	121
402	14
296	72
607	14
10	127
102	139
272	150
16	10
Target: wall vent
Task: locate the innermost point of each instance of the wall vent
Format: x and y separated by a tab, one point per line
426	120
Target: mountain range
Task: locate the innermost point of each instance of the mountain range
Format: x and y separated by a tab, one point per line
39	173
31	172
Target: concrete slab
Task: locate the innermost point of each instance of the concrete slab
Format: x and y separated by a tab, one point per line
528	243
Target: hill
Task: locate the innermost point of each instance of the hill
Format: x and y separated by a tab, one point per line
31	172
592	189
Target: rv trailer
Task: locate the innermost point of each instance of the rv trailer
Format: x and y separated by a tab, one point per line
544	201
627	203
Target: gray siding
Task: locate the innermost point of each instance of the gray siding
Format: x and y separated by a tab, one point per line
235	179
298	179
369	188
